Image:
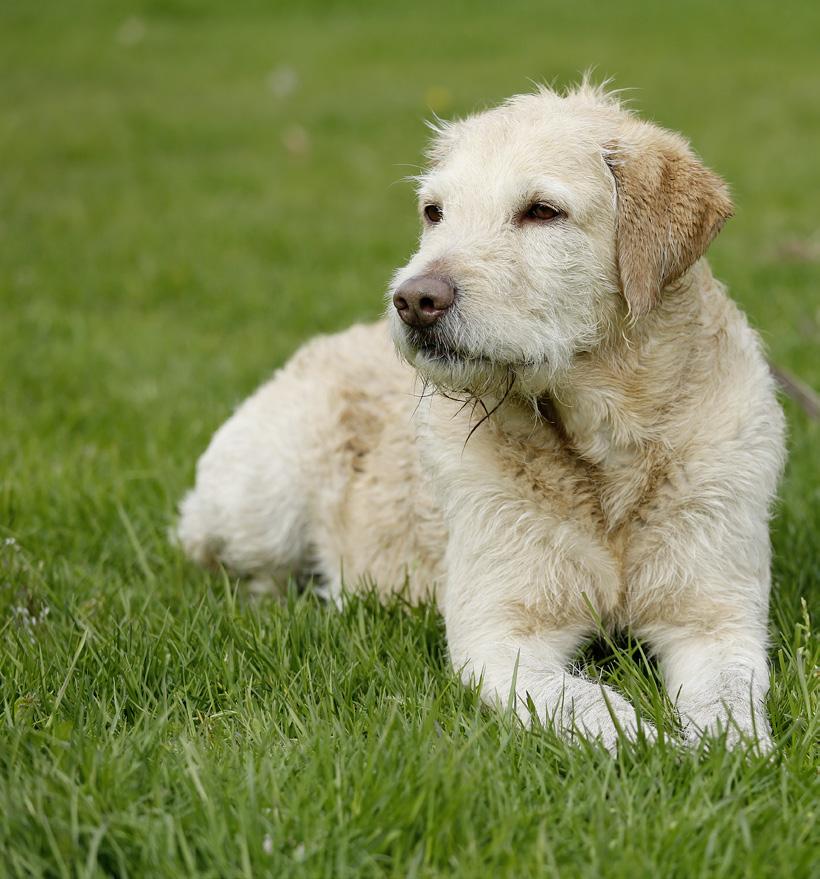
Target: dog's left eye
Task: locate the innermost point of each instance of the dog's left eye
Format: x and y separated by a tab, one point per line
433	213
541	211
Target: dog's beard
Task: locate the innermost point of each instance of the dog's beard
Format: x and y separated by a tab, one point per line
449	366
448	362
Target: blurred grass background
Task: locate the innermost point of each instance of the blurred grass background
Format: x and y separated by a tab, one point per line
188	190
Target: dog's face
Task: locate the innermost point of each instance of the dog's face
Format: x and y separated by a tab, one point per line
527	255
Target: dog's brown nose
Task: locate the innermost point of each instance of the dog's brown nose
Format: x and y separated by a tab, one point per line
422	300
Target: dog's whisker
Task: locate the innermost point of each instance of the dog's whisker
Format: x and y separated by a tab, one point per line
491	412
422	396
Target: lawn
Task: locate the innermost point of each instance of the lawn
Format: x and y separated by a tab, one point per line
188	191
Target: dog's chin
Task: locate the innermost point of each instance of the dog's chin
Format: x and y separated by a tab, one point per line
458	372
474	373
444	366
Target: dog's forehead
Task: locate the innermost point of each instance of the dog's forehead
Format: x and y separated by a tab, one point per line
523	141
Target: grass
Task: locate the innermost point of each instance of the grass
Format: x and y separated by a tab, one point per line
188	191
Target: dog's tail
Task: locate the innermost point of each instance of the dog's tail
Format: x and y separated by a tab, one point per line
802	394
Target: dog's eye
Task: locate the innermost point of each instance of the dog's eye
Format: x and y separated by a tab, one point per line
433	213
541	211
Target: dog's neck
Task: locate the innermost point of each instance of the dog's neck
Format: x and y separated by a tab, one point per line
617	400
622	409
548	411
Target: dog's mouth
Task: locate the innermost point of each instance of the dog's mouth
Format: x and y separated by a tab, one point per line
431	347
432	350
442	361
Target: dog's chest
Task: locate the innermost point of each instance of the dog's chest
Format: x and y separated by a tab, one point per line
588	478
620	466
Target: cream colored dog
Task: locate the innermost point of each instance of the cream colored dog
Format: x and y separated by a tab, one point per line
632	448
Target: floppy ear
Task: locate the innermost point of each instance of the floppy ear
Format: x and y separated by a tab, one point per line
670	207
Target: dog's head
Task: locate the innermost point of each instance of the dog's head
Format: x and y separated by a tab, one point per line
546	222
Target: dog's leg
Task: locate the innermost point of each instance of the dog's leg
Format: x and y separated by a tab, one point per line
718	681
250	507
524	567
489	644
698	581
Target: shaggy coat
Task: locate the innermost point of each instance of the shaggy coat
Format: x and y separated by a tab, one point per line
633	446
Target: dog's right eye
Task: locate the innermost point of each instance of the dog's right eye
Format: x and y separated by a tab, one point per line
433	213
542	212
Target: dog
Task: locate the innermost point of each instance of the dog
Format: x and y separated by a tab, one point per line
581	429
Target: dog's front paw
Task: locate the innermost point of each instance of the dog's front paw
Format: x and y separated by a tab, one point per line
611	727
599	713
736	728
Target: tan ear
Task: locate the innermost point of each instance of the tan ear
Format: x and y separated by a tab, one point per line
670	207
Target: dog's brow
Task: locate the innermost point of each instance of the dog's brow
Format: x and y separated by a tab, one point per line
548	189
426	190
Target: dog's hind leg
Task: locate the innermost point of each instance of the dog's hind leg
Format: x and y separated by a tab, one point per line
315	474
250	509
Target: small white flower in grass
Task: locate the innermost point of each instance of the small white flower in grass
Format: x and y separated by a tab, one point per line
296	140
27	619
131	31
283	81
299	853
25	277
267	844
23	615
